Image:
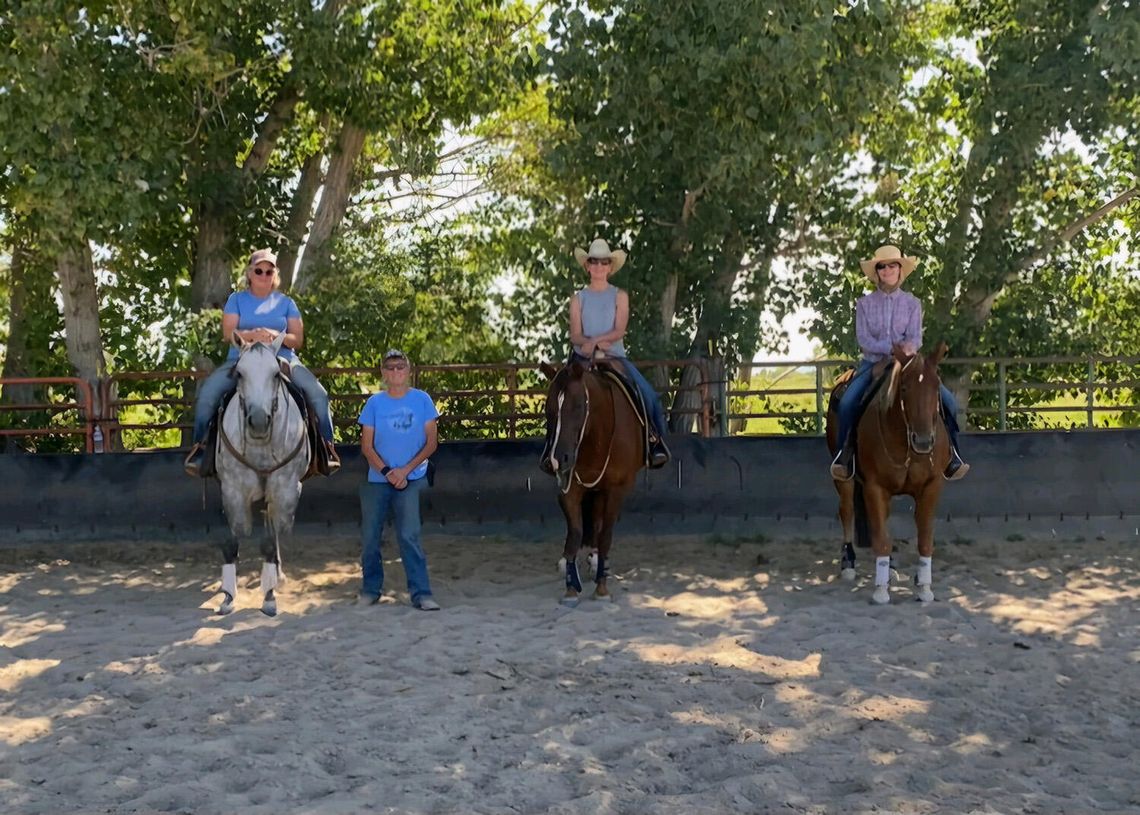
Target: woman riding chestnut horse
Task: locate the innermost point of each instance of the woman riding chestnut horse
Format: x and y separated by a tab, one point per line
907	441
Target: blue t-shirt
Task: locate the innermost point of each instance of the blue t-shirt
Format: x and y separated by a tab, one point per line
399	429
272	311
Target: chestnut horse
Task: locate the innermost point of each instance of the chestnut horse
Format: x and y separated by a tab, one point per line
902	448
595	447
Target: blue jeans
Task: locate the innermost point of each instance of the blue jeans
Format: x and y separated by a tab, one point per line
649	394
853	396
222	382
376	501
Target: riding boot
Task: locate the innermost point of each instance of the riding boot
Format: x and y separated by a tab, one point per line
193	463
843	467
659	454
333	463
957	468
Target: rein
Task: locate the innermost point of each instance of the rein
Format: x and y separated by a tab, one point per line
906	424
261	471
574	476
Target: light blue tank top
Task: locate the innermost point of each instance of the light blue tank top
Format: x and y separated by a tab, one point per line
599	310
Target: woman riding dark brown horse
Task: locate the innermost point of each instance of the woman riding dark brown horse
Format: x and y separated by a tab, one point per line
596	447
901	448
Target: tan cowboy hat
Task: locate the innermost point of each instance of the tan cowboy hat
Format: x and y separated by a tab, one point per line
600	249
888	253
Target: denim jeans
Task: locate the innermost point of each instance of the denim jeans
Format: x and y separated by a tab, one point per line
376	502
852	397
210	395
316	395
652	400
222	382
849	404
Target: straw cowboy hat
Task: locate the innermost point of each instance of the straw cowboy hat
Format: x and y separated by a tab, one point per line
887	254
600	249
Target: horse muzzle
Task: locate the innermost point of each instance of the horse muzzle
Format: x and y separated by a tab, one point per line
258	423
922	443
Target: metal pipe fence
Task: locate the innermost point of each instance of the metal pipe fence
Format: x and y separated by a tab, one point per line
138	410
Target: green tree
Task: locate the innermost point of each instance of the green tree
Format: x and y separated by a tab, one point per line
697	134
1009	166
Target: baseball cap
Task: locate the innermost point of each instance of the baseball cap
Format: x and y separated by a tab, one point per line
263	256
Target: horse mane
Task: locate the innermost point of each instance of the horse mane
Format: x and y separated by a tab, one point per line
890	389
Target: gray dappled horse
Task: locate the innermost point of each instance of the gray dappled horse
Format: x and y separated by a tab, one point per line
263	453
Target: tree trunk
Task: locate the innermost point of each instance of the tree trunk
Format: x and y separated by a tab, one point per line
299	213
76	275
710	327
338	189
16	358
211	283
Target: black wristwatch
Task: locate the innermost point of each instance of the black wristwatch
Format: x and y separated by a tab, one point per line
385	470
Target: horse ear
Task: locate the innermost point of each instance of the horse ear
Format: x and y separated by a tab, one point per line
939	352
548	370
237	341
278	341
577	369
900	354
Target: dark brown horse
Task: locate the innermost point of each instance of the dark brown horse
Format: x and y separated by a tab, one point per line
595	447
902	448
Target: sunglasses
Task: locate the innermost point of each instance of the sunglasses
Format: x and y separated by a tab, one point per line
599	261
880	266
260	271
396	366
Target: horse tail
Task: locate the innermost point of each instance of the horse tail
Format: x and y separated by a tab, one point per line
862	529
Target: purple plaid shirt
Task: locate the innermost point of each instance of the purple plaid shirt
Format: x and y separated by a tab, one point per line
885	320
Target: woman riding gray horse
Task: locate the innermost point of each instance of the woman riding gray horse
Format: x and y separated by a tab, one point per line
260	313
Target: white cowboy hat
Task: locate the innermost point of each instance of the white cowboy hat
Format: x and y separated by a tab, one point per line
601	250
886	254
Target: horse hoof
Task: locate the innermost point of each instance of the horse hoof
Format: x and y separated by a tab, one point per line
269	608
605	598
570	602
924	595
882	596
847	573
562	566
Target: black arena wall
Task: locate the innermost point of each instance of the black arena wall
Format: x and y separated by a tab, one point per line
496	488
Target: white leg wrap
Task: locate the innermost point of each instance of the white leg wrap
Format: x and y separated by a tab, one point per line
268	577
229	579
923	576
883	571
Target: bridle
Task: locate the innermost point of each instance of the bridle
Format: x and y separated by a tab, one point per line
906	423
574	476
278	389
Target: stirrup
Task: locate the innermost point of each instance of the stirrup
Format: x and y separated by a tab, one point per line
334	458
843	470
193	462
957	468
659	454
